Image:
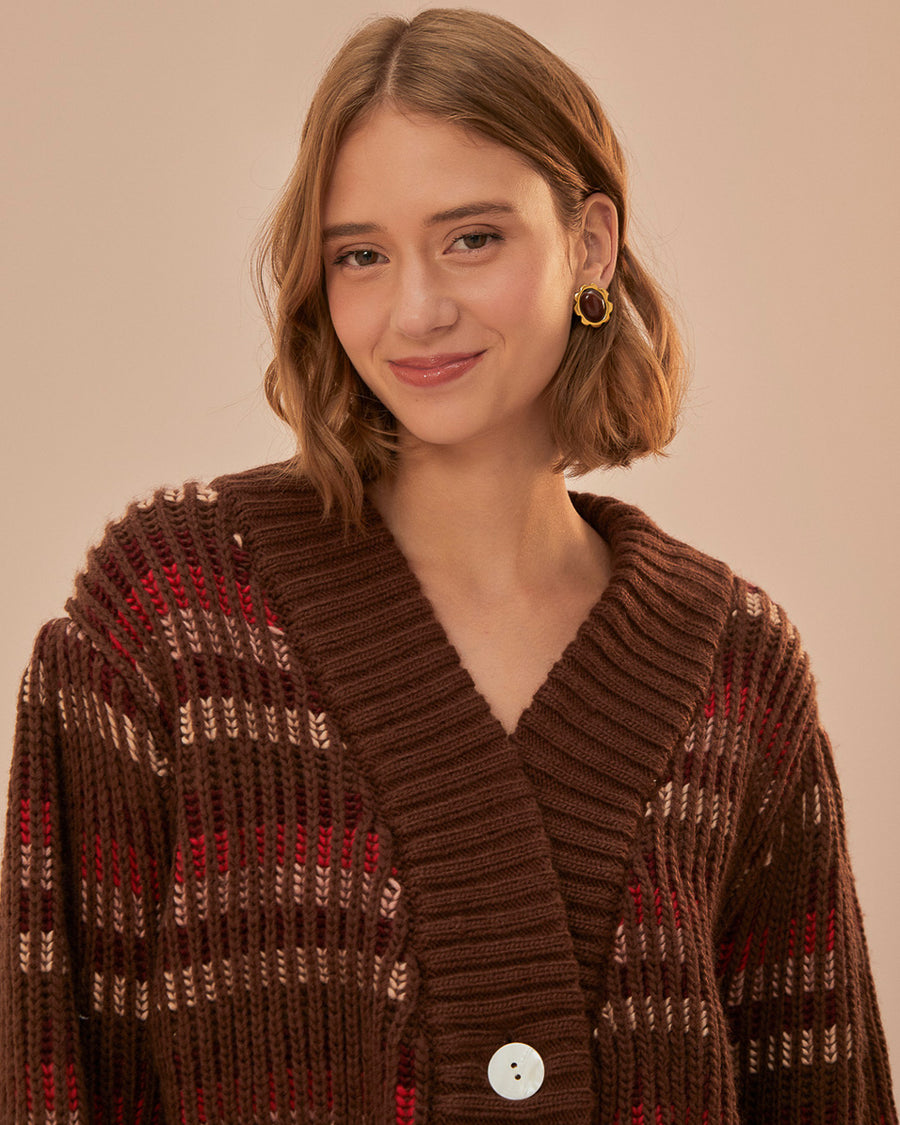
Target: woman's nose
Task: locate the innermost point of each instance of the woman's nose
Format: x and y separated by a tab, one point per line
422	303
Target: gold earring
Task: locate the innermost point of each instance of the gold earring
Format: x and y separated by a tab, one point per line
593	306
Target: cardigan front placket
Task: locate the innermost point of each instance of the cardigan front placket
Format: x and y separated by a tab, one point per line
511	849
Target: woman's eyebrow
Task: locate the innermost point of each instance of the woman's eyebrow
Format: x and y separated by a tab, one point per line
465	211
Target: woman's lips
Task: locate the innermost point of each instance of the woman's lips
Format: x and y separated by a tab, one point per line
433	370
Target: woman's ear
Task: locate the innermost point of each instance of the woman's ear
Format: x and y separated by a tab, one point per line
599	242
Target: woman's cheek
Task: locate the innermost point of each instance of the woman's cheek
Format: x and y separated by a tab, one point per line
354	314
505	295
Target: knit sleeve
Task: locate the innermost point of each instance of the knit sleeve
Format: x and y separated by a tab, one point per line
79	887
795	975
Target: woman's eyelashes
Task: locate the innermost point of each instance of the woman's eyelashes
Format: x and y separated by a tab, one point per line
472	243
358	259
483	238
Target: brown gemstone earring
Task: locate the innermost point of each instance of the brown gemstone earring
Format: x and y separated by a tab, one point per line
593	306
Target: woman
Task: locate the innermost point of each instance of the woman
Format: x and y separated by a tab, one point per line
396	784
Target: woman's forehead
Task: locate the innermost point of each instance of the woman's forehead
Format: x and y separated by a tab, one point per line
396	160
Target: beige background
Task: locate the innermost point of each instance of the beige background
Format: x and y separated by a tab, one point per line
142	143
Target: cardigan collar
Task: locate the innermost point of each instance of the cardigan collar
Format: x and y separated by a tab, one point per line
511	849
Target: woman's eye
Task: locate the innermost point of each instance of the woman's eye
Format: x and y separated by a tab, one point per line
358	258
477	240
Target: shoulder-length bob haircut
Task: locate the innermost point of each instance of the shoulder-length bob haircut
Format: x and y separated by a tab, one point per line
618	389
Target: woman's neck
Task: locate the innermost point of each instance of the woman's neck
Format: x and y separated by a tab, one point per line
496	524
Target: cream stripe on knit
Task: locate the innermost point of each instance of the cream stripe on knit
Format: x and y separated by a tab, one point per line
30	871
37	956
203	492
184	989
290	884
682	1013
689	801
126	918
112	992
117	727
835	1045
768	981
758	604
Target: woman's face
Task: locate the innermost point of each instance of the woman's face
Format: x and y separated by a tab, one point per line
450	279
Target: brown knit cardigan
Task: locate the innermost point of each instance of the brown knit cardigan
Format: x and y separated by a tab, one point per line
270	858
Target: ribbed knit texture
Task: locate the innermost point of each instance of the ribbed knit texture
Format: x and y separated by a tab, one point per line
270	857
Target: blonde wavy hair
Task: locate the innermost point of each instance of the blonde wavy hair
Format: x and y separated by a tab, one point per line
618	391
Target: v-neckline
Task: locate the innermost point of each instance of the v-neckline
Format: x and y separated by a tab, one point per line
375	524
511	848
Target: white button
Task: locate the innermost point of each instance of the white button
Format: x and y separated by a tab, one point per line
516	1071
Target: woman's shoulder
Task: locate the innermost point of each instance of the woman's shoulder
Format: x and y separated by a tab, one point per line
273	479
684	583
173	545
758	691
174	515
